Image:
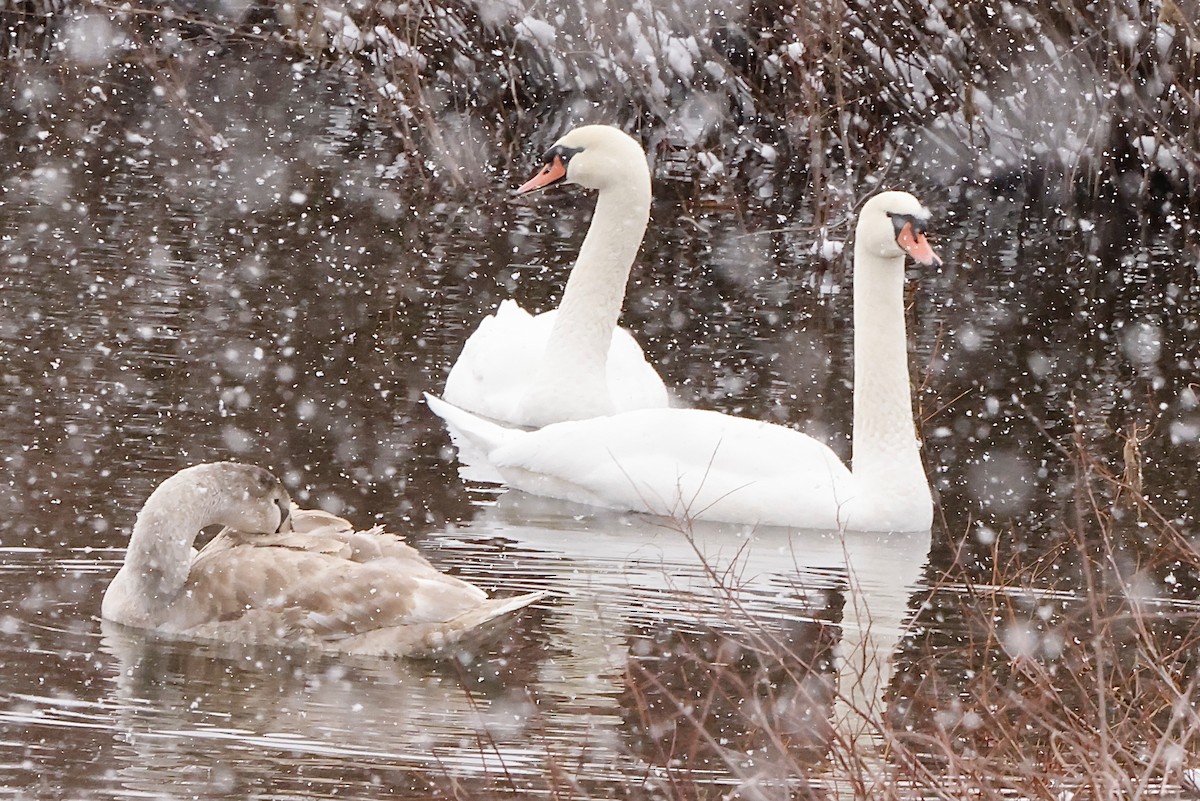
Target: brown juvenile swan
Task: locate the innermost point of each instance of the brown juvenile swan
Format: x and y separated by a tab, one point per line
284	576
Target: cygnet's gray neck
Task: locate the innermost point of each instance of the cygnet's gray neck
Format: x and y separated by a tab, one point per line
159	556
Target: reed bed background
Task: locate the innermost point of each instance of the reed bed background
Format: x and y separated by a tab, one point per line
1076	99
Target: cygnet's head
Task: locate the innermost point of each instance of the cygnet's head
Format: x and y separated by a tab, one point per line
240	496
592	156
892	224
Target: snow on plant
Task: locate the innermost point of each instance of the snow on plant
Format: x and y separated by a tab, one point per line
1092	93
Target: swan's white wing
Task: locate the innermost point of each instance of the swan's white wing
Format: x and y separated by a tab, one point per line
500	360
680	462
633	382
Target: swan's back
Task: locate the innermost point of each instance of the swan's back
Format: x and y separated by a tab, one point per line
683	462
326	585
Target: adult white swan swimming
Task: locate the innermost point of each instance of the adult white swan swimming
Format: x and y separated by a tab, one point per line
284	576
713	466
573	362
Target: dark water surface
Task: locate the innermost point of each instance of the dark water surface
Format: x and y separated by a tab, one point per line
287	300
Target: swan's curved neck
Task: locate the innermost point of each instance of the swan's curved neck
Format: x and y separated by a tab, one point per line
887	458
159	556
573	367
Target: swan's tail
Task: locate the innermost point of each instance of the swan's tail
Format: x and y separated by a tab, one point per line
475	438
494	608
476	624
481	433
473	630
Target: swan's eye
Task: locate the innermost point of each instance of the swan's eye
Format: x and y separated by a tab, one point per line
918	223
901	220
562	152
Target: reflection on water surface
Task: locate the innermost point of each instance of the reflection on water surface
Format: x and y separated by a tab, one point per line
592	679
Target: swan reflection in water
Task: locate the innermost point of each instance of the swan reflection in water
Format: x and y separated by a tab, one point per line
226	717
713	644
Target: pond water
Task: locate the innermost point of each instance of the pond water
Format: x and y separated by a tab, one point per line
287	300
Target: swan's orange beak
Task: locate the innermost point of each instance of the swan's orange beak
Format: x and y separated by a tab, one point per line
552	173
917	246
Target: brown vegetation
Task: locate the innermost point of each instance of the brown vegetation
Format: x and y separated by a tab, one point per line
1085	98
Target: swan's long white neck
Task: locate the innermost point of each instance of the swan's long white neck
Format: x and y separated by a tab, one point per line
159	556
887	458
573	371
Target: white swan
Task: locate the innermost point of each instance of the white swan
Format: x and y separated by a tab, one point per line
573	362
283	576
717	467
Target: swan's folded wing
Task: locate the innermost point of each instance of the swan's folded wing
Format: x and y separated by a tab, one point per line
319	586
312	520
678	462
689	440
633	383
326	533
319	532
499	361
499	364
374	597
430	638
